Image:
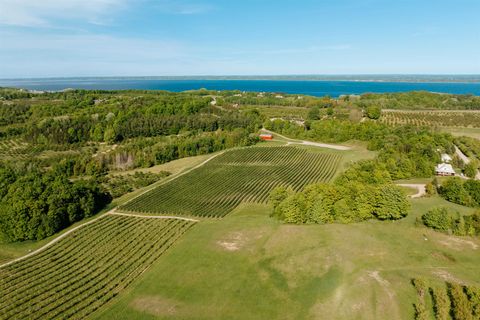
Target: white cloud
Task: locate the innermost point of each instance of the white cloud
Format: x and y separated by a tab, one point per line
44	13
40	13
183	7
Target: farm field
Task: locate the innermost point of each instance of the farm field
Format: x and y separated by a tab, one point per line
16	149
468	132
444	118
249	266
86	269
242	175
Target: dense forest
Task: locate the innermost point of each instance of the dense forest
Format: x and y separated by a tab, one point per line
38	204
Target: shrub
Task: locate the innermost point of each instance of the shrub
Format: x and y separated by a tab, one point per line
278	195
453	190
470	170
461	306
438	219
473	294
441	303
391	203
420	309
373	112
430	189
443	220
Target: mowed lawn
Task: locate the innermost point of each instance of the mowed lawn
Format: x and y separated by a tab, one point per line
250	266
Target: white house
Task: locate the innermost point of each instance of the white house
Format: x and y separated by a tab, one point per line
444	169
446	158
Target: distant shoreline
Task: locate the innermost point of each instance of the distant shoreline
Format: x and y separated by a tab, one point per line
420	78
291	85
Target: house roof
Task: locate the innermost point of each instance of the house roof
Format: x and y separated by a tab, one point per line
444	168
446	157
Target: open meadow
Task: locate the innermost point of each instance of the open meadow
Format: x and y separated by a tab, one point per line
250	266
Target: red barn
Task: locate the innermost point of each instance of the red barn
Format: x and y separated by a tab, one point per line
266	136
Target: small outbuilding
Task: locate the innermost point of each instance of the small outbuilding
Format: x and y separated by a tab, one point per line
444	169
446	158
266	136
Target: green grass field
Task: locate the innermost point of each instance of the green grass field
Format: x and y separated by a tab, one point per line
250	266
236	176
81	272
468	132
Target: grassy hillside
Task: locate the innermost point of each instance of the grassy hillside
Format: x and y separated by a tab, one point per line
249	266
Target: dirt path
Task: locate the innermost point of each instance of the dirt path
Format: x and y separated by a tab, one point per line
309	143
466	160
461	155
51	243
112	212
420	189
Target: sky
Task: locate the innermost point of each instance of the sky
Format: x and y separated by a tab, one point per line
69	38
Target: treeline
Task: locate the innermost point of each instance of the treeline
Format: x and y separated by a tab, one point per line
416	100
36	204
12	93
273	99
364	191
404	152
147	152
444	220
118	185
328	203
449	301
113	129
80	116
460	191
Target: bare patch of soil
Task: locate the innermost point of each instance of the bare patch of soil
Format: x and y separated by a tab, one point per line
443	256
447	276
383	282
237	240
156	306
233	242
458	244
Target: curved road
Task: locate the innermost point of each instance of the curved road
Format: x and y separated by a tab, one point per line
420	189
